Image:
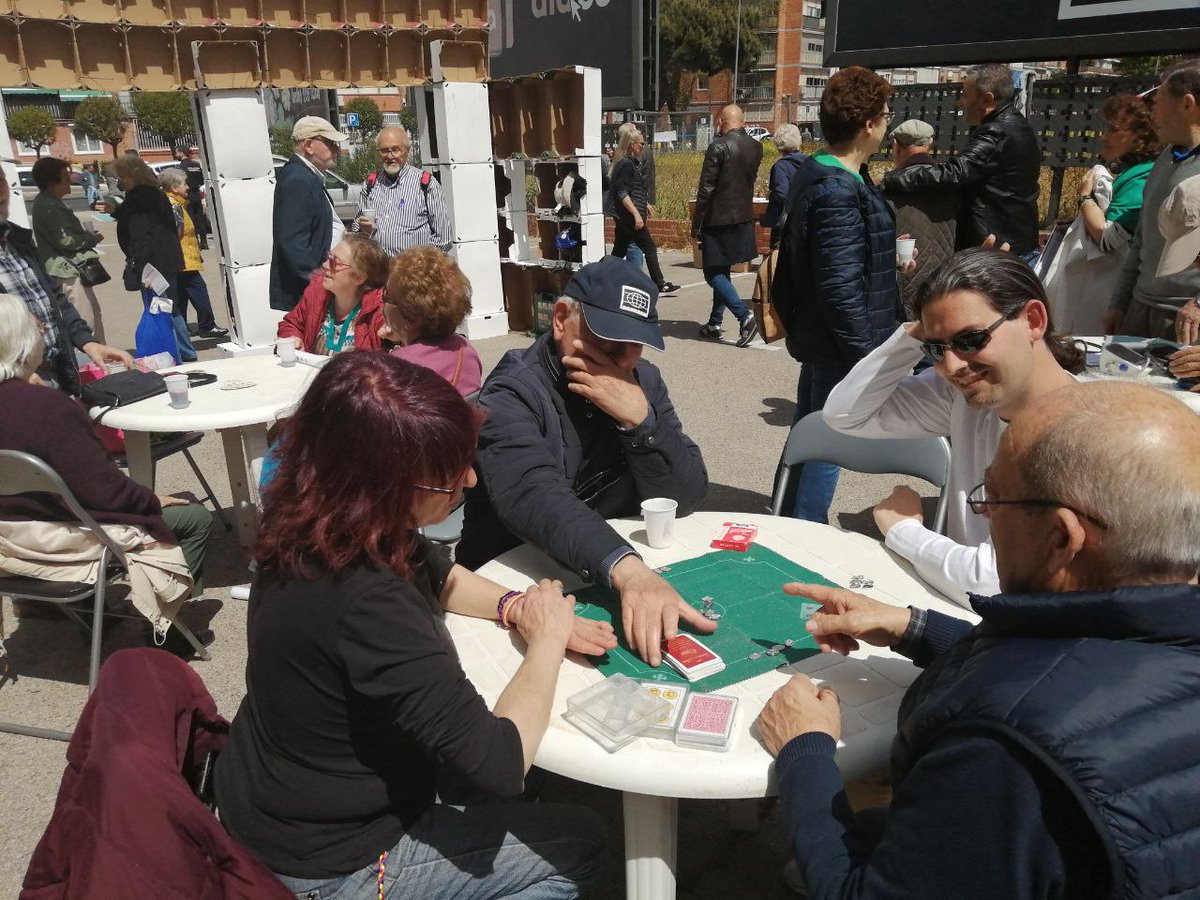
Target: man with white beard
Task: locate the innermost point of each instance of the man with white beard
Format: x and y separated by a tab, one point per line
402	206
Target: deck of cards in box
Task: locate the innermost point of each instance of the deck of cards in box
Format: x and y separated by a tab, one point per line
706	722
615	712
691	658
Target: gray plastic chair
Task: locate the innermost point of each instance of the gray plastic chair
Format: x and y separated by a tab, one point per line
22	473
812	440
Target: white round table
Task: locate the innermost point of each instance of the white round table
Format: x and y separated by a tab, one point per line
654	773
241	416
1164	383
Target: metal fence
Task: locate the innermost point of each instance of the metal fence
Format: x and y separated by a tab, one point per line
668	132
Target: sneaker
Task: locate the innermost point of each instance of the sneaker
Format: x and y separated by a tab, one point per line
668	289
215	331
193	330
747	330
712	332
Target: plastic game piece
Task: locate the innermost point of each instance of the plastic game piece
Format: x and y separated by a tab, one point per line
755	655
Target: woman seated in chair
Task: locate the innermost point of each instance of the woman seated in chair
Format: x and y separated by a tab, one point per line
168	535
341	308
427	298
358	715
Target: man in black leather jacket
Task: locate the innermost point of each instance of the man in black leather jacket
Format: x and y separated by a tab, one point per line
723	222
997	171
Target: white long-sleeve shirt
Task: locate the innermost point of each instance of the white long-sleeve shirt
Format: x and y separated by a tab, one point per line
881	398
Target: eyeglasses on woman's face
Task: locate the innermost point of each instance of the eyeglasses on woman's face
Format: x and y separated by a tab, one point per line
967	342
335	265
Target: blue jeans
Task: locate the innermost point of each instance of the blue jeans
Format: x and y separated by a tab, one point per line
810	491
634	254
724	295
190	286
187	352
534	851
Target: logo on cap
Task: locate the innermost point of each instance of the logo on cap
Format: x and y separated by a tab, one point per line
634	301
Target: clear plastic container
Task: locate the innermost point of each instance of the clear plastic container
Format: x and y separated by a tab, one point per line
616	710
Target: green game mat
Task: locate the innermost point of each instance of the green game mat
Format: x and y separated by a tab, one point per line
746	589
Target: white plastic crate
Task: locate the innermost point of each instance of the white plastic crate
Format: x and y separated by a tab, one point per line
469	189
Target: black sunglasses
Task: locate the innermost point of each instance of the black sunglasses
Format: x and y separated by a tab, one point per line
969	341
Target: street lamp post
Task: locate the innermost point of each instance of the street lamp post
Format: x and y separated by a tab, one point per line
737	49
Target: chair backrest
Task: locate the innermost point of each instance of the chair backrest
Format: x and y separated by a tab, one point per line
23	473
812	440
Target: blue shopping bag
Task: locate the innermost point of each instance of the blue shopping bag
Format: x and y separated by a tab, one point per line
155	332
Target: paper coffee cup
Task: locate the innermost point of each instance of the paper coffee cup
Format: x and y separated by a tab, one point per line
904	249
285	349
659	515
177	388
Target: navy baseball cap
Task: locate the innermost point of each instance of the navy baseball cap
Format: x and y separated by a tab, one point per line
618	301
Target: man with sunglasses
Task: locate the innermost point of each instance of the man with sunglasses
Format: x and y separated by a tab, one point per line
1051	751
983	320
305	224
401	206
580	429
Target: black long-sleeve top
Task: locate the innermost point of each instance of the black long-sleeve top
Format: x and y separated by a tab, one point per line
355	706
628	180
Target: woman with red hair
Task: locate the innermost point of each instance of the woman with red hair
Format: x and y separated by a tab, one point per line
357	713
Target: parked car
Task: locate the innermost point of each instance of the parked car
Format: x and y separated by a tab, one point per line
25	176
758	132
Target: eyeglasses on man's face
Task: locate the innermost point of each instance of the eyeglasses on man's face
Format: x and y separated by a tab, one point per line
392	151
979	503
967	342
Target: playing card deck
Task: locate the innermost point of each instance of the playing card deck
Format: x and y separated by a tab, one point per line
691	658
735	537
706	722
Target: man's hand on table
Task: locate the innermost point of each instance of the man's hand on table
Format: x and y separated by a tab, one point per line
845	618
596	376
588	636
651	609
903	503
798	708
101	354
1185	363
1187	322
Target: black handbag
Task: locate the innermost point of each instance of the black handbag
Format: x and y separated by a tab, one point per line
122	388
131	276
92	272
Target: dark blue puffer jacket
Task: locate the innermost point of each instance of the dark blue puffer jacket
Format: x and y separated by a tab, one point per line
1103	689
835	285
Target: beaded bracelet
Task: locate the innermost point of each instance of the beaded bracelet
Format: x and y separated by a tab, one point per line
504	605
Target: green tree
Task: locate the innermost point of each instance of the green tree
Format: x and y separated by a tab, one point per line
167	114
104	119
1143	65
33	127
370	117
702	36
281	140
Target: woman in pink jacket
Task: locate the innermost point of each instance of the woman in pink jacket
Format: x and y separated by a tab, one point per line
427	298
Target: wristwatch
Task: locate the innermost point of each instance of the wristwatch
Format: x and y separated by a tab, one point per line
1086	197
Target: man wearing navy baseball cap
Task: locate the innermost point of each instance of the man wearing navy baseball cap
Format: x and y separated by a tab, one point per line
580	429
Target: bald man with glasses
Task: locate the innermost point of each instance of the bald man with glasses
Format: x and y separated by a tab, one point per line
401	206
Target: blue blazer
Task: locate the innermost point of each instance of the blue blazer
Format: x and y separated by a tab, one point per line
302	226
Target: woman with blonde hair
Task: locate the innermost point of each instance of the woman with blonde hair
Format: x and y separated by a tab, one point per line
627	187
428	297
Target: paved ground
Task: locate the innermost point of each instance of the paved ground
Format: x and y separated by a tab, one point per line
737	405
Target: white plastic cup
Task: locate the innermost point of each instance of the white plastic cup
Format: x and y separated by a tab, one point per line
904	250
177	388
659	515
285	349
369	215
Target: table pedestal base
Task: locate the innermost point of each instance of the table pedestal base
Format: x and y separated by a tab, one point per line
244	451
650	840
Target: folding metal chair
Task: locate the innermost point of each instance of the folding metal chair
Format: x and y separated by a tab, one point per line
812	440
182	443
22	473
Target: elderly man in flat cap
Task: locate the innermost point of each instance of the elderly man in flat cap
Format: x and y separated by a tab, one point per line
928	216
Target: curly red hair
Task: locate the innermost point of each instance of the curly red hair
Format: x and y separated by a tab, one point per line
852	98
428	288
1130	111
370	428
